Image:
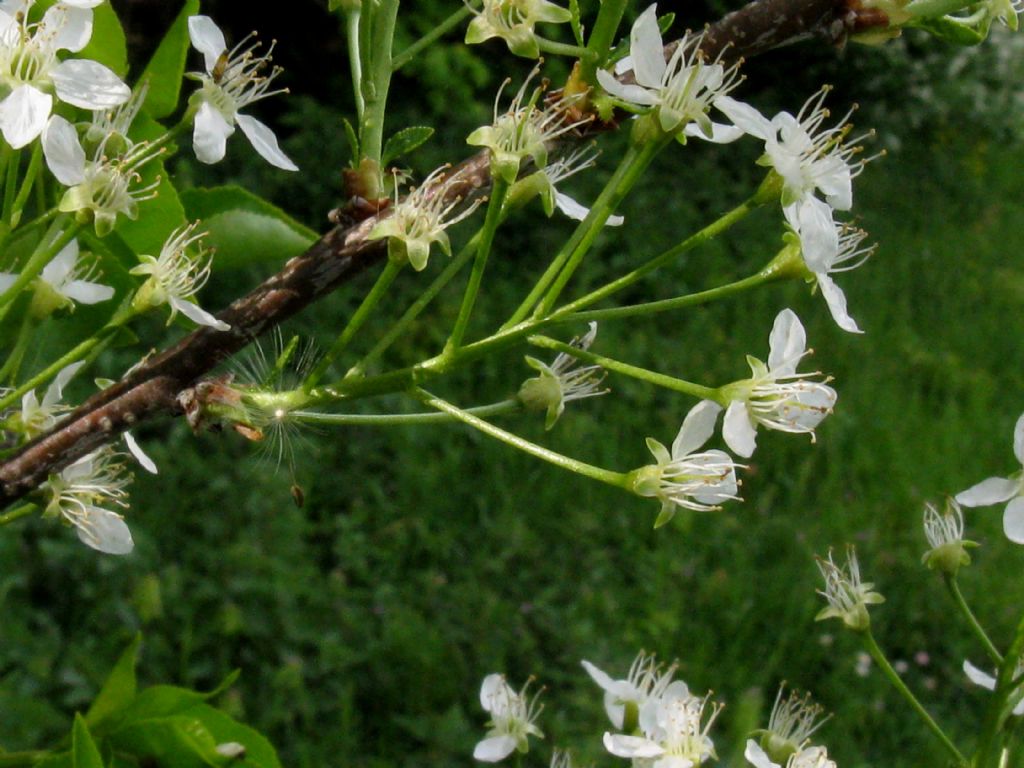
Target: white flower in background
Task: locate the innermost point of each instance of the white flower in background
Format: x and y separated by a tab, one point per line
36	416
808	757
108	184
563	381
988	682
847	596
511	723
806	156
996	490
513	21
64	281
557	171
646	680
776	396
233	80
523	131
793	721
418	220
827	247
175	277
684	477
675	729
681	90
81	493
30	72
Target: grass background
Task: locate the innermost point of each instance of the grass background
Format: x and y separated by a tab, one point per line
425	558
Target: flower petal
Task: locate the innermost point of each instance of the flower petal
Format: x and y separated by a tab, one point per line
140	455
66	27
210	134
23	115
207	38
64	154
105	531
697	427
990	491
720	133
738	431
812	220
492	688
757	756
578	212
621	745
494	749
85	292
60	266
599	676
89	85
264	142
55	391
745	117
1018	439
634	94
197	314
647	49
786	343
836	300
1013	520
978	677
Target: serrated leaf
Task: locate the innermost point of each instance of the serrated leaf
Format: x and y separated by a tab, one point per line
353	140
405	141
574	22
246	229
118	690
167	65
84	753
107	45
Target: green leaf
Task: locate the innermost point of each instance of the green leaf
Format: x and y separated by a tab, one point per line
246	229
62	760
574	22
181	741
107	44
165	69
84	753
259	753
951	30
166	700
119	688
405	141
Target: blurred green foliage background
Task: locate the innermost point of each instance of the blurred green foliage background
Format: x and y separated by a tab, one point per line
425	558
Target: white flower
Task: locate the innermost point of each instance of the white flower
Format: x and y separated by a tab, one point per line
105	185
563	381
995	490
418	220
523	131
511	721
175	277
945	534
81	493
827	247
683	477
233	81
30	72
847	597
513	21
792	722
646	680
681	90
988	682
806	157
561	169
776	396
63	282
808	757
37	417
675	731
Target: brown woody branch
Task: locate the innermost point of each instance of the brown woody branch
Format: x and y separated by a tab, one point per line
153	387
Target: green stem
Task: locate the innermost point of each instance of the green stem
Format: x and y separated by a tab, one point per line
698	238
644	374
499	190
9	371
34	164
440	30
633	165
561	49
10	184
354	59
617	479
883	664
402	419
579	234
371	127
602	38
9	517
391	270
39	259
979	631
995	716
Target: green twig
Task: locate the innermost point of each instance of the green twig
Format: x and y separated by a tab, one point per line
979	631
402	419
16	514
440	30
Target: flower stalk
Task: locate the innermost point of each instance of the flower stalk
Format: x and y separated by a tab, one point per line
979	632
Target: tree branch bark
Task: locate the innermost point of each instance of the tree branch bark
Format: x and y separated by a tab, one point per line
152	388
